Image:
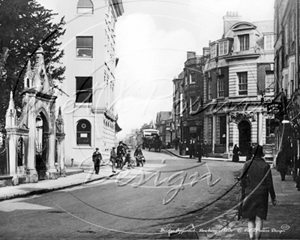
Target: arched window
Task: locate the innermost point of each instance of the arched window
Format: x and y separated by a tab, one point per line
84	132
85	7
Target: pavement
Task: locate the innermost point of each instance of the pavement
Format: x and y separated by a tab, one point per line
174	152
282	221
75	177
280	217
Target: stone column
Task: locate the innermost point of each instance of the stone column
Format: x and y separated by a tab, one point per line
227	135
260	128
214	133
12	155
31	170
61	158
51	169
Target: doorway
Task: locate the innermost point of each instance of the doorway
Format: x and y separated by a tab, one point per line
244	136
41	148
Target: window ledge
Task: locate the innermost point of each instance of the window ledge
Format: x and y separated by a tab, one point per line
84	15
83	147
83	59
86	105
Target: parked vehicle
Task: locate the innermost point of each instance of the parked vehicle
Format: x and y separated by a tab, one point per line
147	135
155	143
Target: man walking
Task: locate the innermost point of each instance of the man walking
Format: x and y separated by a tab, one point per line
120	154
97	157
113	159
200	151
281	163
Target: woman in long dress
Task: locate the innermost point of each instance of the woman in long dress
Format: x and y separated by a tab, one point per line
235	151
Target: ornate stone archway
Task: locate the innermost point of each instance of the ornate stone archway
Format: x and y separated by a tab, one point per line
37	126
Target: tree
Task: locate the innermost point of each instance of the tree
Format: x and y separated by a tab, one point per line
24	25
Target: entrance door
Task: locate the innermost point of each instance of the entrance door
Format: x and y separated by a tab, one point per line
41	147
244	136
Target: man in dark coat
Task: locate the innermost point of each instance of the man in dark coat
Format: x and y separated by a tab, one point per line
257	184
200	151
121	151
97	157
282	163
249	153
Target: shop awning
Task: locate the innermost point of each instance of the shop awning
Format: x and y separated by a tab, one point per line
117	127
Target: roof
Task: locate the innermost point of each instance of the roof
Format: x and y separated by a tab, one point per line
163	116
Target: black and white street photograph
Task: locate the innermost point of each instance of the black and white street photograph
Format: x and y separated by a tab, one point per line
149	119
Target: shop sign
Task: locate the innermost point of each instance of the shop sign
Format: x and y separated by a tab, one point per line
274	107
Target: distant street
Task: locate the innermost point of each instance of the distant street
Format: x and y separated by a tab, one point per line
131	205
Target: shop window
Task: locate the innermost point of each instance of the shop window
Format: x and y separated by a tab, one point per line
84	89
270	131
222	127
243	83
244	42
83	132
84	47
85	7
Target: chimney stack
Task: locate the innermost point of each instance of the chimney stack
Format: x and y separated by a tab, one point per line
191	55
229	20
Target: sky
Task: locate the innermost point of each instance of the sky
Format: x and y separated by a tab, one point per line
152	40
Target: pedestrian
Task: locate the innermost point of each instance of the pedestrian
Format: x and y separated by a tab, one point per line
200	151
192	148
249	153
180	145
120	154
235	151
257	184
138	154
282	163
205	149
127	160
97	157
113	156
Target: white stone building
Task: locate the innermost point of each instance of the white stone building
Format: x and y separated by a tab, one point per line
89	47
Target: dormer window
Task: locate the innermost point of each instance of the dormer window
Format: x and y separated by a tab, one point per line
223	48
213	51
244	42
85	7
269	42
192	78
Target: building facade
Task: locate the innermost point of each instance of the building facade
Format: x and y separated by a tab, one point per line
89	47
163	124
177	104
192	98
286	103
238	85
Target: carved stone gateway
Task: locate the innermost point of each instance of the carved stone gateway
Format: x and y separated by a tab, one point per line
35	140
